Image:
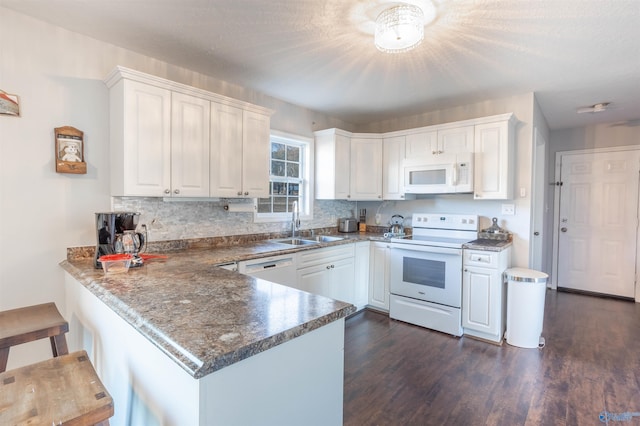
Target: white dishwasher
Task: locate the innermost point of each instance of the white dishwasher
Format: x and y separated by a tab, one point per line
279	269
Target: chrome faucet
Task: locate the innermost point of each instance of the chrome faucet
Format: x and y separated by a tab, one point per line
295	219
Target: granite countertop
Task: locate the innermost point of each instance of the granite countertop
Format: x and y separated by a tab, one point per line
487	244
205	317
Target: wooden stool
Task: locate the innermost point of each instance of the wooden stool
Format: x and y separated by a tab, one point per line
31	323
59	391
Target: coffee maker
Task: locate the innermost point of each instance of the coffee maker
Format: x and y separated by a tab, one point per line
116	232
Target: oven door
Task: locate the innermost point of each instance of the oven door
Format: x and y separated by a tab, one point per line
433	274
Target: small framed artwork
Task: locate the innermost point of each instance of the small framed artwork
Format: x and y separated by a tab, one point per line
9	104
69	147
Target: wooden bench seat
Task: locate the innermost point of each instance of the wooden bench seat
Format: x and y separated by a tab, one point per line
59	391
31	323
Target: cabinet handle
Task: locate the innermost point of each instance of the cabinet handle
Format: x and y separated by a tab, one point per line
434	152
328	266
239	192
166	191
176	191
466	270
246	193
379	196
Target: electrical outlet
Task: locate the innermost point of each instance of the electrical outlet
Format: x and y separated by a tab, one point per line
508	209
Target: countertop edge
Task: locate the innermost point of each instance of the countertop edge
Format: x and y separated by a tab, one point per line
187	361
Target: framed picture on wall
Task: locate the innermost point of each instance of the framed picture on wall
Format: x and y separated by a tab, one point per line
9	104
69	149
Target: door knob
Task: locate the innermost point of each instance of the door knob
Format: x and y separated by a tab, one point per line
563	229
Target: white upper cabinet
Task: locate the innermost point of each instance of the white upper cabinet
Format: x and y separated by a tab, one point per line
455	140
347	167
226	151
189	146
332	164
362	166
421	145
393	153
494	157
239	154
140	139
432	143
256	150
366	168
172	140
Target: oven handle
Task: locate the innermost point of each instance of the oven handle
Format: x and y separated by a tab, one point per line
426	249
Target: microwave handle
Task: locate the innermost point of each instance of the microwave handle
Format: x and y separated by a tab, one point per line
455	174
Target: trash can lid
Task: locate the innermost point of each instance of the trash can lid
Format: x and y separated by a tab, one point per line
525	275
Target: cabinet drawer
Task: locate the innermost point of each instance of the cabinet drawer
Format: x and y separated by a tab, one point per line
323	255
484	259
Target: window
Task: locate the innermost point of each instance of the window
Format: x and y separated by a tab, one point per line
290	172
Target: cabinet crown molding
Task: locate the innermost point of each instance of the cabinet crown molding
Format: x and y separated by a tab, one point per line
120	73
509	117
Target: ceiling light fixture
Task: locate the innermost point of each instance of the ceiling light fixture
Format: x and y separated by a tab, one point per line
399	28
599	107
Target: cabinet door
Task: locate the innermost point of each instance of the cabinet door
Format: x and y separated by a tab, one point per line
226	151
366	169
190	117
493	171
361	275
479	305
145	155
393	150
255	155
315	279
421	145
456	140
342	284
379	276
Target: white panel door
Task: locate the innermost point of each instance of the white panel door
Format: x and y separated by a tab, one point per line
147	136
190	118
392	172
598	222
226	151
366	169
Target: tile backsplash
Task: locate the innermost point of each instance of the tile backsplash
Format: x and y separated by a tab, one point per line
177	220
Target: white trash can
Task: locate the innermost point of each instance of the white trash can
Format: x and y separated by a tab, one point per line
526	290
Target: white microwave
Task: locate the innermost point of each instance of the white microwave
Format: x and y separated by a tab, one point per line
442	174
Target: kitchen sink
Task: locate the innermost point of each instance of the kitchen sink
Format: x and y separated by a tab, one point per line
294	241
326	238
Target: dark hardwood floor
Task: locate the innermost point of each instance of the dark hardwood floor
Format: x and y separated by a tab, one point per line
400	374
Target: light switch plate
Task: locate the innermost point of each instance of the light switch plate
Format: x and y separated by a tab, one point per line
508	209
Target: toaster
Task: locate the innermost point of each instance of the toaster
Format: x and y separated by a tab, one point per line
347	225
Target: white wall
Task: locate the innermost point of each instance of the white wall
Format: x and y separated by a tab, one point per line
58	76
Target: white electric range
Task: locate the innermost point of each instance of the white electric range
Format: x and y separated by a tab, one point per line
426	271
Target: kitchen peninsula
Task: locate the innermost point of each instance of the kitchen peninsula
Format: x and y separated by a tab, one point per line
183	342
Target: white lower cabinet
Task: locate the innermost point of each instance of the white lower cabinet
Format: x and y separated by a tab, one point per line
379	275
484	293
361	278
329	272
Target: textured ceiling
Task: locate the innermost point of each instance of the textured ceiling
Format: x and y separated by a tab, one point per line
320	54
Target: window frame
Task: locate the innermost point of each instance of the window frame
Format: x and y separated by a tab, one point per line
306	184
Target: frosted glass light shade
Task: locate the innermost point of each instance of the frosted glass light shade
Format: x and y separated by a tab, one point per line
399	28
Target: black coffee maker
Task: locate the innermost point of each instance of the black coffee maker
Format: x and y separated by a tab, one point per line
116	232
